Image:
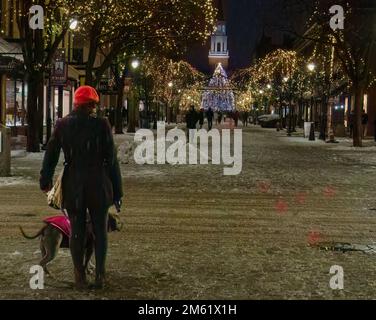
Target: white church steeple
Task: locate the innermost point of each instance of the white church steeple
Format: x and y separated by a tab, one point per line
218	49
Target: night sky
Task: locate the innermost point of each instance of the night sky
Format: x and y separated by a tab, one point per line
246	20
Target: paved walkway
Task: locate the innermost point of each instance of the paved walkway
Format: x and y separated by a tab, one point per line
191	233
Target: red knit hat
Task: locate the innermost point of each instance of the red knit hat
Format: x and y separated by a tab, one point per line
85	95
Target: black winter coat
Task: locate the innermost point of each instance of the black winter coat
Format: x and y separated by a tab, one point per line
91	165
201	117
191	119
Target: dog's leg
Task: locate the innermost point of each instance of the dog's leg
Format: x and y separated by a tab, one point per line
51	241
42	249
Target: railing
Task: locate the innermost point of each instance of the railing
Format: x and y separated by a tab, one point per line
215	53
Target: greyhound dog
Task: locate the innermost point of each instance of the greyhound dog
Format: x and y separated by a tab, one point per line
56	232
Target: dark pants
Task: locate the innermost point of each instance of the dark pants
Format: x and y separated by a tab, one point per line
78	219
210	124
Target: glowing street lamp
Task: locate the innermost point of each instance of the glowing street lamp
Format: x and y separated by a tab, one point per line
135	64
269	86
261	91
170	84
311	67
73	24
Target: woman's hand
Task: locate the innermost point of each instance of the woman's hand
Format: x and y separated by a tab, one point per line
117	204
45	186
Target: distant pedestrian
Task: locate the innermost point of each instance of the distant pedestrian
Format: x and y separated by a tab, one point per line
111	117
245	119
216	117
351	123
124	116
210	116
191	119
154	119
235	115
201	118
220	115
364	123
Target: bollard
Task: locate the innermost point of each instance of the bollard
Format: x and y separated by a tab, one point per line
312	133
4	151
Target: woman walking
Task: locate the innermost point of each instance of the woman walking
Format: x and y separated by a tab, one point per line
91	182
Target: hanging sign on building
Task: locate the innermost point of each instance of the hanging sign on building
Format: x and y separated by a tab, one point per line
9	65
59	71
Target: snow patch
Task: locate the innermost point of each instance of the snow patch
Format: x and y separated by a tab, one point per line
141	173
27	155
15	181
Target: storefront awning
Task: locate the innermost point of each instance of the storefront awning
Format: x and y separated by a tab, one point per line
11	50
11	59
73	73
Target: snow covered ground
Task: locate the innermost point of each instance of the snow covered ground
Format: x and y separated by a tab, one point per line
191	232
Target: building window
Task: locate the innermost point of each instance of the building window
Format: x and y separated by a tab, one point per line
16	109
78	55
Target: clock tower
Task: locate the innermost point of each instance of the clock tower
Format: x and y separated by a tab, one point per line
218	46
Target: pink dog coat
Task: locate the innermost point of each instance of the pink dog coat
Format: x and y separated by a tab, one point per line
60	222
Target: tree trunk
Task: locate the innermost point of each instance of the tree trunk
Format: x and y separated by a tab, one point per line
169	112
289	130
41	109
33	114
357	132
131	113
119	107
48	115
89	80
324	117
294	119
93	49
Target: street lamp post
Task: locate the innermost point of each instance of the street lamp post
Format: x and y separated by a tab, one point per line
311	68
168	106
135	64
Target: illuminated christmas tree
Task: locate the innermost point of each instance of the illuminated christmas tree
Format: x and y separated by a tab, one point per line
219	95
